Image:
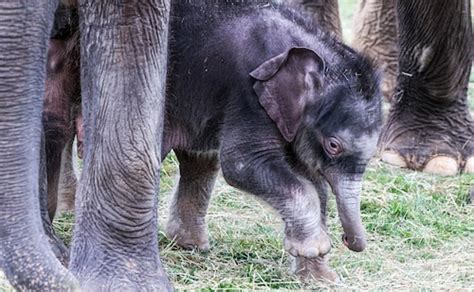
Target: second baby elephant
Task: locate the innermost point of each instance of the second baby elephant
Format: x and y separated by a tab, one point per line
284	109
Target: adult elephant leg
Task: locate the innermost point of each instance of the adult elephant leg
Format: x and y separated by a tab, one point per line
123	70
25	255
324	12
429	126
187	219
376	34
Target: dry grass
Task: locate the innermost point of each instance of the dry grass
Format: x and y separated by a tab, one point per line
420	230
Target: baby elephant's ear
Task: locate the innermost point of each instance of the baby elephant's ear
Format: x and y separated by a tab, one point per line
285	84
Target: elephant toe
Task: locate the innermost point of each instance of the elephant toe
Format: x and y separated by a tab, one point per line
437	144
469	167
393	158
442	165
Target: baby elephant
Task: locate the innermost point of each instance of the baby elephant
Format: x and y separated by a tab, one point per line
282	108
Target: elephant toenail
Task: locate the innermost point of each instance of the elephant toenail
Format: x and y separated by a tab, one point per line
442	165
393	158
469	168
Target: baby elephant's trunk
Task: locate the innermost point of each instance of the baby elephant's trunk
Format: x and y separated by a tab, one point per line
347	190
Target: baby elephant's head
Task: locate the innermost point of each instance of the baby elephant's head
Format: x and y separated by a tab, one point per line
330	115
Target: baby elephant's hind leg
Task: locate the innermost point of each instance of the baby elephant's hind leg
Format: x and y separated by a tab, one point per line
187	223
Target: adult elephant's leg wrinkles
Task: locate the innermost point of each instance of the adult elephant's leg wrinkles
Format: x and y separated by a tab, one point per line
429	127
25	255
115	242
375	30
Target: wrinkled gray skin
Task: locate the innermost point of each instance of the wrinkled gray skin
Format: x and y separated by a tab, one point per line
425	51
429	126
269	110
318	103
114	246
375	33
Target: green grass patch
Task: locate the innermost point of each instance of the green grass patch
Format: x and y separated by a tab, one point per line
417	224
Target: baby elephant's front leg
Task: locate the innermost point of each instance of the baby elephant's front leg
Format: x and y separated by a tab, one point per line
294	197
301	211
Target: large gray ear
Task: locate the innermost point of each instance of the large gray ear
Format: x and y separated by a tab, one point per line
285	84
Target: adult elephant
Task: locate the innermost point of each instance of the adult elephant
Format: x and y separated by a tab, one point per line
115	239
429	126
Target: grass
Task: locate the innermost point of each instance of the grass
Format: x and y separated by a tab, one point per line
420	230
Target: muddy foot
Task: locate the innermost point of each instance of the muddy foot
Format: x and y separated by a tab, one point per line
314	269
440	144
189	235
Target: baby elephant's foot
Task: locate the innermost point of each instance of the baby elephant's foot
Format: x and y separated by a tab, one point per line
309	248
314	269
190	235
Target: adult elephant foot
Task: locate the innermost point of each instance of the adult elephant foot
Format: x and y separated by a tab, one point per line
440	141
37	272
124	273
314	269
429	126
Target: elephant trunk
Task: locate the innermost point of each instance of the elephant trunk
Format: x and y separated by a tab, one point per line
347	190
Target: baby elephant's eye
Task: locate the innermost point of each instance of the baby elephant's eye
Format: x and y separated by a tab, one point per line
333	146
